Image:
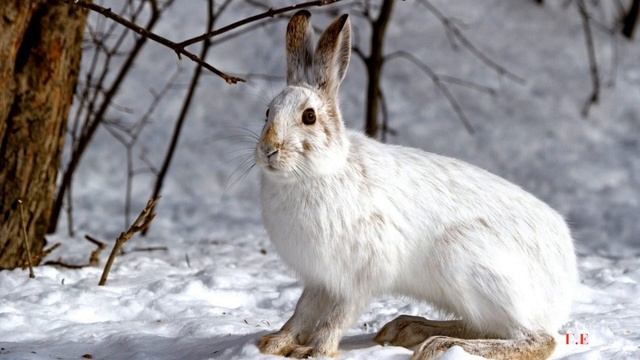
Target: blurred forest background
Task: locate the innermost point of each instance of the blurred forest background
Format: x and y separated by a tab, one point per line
105	104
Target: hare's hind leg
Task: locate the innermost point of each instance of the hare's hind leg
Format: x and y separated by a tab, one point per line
408	331
534	347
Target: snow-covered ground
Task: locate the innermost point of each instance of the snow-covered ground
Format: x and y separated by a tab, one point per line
220	285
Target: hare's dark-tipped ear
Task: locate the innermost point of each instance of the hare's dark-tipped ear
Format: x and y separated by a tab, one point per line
299	48
332	55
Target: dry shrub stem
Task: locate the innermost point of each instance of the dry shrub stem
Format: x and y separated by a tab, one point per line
26	240
593	64
140	223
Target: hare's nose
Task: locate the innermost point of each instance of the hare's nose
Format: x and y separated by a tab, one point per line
271	153
269	150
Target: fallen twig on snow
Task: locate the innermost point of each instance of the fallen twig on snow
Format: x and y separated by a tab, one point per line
64	264
149	249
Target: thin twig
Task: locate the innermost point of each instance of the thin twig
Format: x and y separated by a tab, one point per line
244	31
593	64
140	223
149	249
64	264
178	48
437	81
48	251
267	14
93	117
128	136
468	84
94	257
26	241
186	105
459	35
70	210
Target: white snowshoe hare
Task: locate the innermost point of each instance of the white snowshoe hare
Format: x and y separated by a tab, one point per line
355	218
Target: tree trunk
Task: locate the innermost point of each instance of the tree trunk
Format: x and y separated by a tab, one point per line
374	68
40	48
631	19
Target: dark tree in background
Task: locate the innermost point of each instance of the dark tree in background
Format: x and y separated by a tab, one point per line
630	19
374	63
40	48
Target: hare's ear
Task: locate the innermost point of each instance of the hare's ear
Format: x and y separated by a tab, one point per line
332	55
299	48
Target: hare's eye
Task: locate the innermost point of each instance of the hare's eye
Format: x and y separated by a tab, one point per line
266	115
309	117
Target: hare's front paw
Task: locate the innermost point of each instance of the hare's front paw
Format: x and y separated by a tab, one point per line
284	344
279	343
303	352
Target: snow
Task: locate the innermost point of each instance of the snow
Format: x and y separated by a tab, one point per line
220	286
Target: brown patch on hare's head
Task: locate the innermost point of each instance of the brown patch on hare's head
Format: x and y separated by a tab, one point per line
306	146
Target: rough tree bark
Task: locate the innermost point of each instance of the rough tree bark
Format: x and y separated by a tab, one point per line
40	48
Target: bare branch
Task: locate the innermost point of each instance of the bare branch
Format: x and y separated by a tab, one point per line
94	117
593	65
358	52
468	84
178	48
48	251
184	110
267	14
437	81
243	31
459	35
